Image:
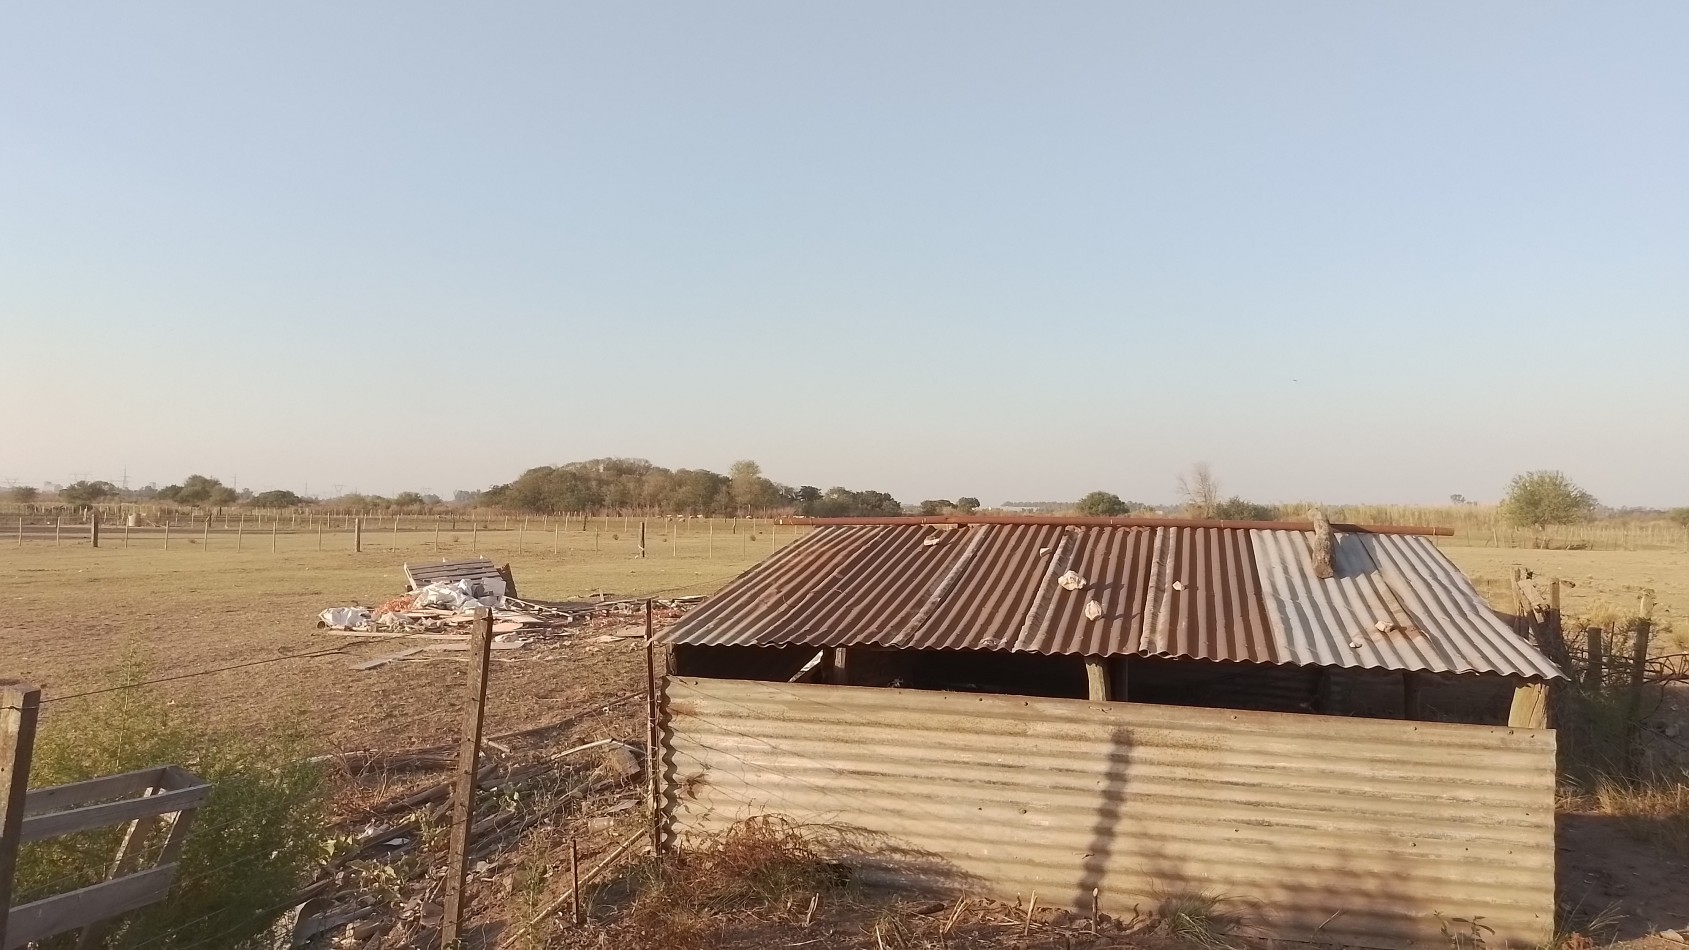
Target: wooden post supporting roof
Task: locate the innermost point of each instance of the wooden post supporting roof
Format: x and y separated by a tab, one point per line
1530	707
1096	677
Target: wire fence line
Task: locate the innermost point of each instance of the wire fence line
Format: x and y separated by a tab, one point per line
519	536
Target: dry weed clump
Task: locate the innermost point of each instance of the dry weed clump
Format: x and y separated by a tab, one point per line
759	864
1208	921
768	882
1653	808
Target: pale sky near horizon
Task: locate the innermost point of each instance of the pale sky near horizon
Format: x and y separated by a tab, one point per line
1343	252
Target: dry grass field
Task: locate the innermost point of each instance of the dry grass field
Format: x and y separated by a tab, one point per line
77	619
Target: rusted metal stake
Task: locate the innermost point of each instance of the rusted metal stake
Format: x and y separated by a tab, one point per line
651	754
575	881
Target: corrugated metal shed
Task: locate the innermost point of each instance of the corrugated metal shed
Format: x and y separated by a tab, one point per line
1197	590
1345	831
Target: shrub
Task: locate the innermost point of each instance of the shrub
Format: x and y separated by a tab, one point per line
246	854
1539	499
1236	509
1104	504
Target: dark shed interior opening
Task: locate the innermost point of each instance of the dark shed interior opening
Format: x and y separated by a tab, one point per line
1380	694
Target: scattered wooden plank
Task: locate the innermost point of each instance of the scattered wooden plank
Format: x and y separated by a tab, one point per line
381	661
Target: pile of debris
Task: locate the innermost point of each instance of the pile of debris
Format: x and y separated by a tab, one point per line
444	597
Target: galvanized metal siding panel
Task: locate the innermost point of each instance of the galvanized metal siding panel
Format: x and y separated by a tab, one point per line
1360	830
1390	579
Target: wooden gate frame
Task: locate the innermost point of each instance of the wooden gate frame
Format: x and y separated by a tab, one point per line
155	802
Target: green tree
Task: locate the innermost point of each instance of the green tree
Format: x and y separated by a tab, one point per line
839	502
1102	504
1237	509
87	493
748	489
277	498
24	494
198	491
967	505
408	499
935	506
1538	499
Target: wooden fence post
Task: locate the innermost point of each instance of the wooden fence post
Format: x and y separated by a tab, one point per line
240	532
463	793
1597	658
166	535
436	533
58	530
1639	652
94	527
642	538
20	704
205	537
357	535
275	526
20	531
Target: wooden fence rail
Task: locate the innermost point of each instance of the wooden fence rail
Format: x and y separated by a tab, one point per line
155	802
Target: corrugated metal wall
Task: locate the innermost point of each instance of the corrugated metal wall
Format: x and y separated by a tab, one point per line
1348	830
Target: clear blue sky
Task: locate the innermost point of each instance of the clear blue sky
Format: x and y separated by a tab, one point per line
1341	251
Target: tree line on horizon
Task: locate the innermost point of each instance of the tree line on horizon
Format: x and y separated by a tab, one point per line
1536	499
630	484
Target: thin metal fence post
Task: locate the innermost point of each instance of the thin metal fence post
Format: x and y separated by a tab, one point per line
463	792
651	756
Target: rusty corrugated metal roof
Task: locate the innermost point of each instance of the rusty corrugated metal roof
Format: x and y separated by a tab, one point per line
1176	590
